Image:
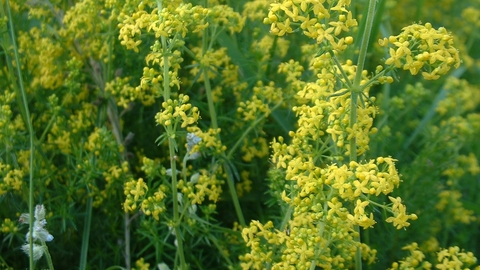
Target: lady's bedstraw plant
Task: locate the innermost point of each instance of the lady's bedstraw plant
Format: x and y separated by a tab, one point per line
167	24
331	188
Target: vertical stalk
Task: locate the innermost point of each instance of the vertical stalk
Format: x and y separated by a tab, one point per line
171	148
47	255
163	40
176	219
364	45
86	231
356	91
28	123
211	104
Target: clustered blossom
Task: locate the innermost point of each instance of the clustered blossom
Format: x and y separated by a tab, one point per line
422	48
40	234
328	196
138	194
449	258
177	111
169	23
202	186
209	142
319	20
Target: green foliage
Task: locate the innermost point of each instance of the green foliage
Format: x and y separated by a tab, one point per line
239	134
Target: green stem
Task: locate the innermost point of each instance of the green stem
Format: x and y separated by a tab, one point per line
233	193
176	219
47	255
86	232
171	146
249	129
353	105
28	123
166	78
163	40
211	104
342	71
364	45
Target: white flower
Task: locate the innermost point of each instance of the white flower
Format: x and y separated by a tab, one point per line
37	251
39	232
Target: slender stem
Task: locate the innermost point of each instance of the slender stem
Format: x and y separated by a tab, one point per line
86	232
49	125
163	40
353	105
211	104
30	131
233	193
340	68
176	219
126	219
249	129
166	78
47	255
364	45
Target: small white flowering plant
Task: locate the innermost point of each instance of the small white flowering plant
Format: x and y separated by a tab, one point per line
40	235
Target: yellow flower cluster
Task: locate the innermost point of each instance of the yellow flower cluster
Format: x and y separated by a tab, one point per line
262	49
245	185
252	109
155	205
82	120
301	246
400	216
414	260
7	128
42	54
319	20
258	255
256	10
169	24
136	195
465	164
453	258
82	19
100	140
321	198
450	258
135	191
201	186
177	111
114	178
422	48
126	94
212	59
458	92
151	200
12	179
210	142
450	204
8	226
256	147
140	264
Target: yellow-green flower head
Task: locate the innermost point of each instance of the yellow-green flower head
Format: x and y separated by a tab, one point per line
422	48
311	17
177	111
